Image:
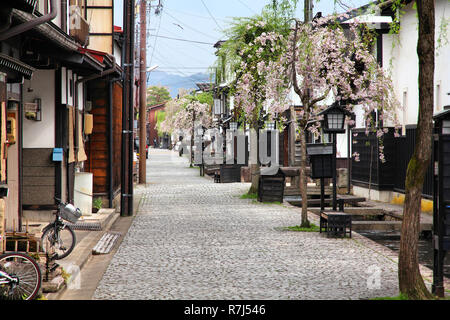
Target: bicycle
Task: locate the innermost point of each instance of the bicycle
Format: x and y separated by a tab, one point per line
20	277
58	237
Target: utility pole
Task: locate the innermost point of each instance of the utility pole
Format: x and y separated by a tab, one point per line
143	94
126	201
308	10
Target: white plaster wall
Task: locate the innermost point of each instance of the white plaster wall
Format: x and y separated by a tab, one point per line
341	145
117	54
295	99
57	19
383	196
63	85
401	60
70	88
442	70
40	134
80	95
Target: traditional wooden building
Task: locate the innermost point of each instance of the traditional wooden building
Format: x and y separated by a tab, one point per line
152	133
105	101
45	73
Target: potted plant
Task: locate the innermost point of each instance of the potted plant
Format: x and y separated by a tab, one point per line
96	205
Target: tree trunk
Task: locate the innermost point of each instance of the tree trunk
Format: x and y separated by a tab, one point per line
410	281
291	148
303	179
254	165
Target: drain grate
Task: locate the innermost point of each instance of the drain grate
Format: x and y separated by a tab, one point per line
106	243
88	226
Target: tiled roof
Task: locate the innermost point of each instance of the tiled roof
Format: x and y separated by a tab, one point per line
7	62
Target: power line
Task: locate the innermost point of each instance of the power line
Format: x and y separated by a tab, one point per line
209	12
196	15
181	22
154	45
186	40
169	49
193	44
245	5
195	59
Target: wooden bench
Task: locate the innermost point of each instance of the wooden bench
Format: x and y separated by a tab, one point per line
348	199
336	223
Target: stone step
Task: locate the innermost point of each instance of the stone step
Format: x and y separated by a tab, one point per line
385	225
106	243
54	285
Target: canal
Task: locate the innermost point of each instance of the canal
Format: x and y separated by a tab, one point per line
391	239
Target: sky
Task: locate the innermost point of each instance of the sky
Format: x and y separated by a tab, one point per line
201	21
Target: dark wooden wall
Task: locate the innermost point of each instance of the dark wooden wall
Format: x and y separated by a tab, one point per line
117	135
97	146
38	177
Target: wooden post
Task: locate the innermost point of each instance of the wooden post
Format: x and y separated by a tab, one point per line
143	94
2	226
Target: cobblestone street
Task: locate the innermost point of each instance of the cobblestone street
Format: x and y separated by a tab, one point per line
196	239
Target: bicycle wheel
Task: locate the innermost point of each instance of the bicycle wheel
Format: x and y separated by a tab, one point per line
62	241
25	274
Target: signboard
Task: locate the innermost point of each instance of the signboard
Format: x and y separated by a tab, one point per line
321	159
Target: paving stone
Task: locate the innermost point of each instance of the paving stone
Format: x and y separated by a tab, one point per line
196	239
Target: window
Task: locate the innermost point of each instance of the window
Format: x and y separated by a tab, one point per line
446	127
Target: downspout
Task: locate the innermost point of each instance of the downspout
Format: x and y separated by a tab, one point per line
123	160
64	16
30	24
97	76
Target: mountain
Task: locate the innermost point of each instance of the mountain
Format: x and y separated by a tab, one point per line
176	81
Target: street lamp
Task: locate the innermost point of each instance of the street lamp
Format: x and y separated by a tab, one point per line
270	125
334	118
233	126
217	107
333	123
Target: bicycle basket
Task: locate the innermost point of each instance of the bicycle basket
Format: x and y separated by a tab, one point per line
70	213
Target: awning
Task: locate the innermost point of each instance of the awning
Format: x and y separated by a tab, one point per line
10	64
48	31
102	57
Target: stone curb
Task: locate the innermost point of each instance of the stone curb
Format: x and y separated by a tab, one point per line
83	250
81	254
